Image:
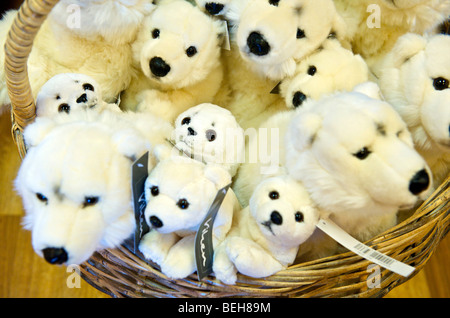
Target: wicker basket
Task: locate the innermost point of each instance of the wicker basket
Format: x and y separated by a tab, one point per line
122	273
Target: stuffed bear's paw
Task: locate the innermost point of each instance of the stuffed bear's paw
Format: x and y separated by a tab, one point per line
223	268
180	261
155	246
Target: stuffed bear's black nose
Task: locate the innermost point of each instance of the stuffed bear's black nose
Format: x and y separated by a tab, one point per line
159	67
298	99
257	44
214	8
191	132
276	218
82	99
156	222
419	182
55	255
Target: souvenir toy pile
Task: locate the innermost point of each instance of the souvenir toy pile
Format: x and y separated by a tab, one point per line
301	109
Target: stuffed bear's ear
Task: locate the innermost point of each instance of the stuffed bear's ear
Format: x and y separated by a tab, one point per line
370	89
303	129
35	132
235	11
218	175
406	47
130	144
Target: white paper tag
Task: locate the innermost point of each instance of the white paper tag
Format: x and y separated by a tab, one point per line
226	45
342	237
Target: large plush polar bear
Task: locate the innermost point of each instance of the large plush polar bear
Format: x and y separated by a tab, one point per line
354	155
415	79
375	25
82	36
75	182
177	53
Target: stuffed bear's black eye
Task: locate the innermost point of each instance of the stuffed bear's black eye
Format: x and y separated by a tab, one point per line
274	2
88	87
183	204
300	33
363	153
191	51
299	217
274	195
211	135
41	197
186	121
90	201
440	83
312	70
155	33
64	108
154	191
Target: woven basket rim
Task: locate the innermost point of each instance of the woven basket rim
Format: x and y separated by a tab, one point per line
120	272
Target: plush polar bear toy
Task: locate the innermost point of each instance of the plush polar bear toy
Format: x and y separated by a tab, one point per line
179	192
375	25
355	156
75	183
66	92
332	68
82	36
415	80
177	52
268	39
210	133
266	235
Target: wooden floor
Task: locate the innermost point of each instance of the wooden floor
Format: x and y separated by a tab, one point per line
24	274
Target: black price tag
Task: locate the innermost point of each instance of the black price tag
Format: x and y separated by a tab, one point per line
204	251
139	175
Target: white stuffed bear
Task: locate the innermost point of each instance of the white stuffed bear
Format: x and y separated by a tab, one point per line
266	235
75	183
210	133
177	52
66	92
415	79
82	36
268	38
375	25
355	156
179	192
214	7
332	68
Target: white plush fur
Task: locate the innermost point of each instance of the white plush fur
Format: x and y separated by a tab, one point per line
251	77
396	18
210	133
171	245
66	92
266	235
362	194
407	78
81	36
69	160
191	80
332	68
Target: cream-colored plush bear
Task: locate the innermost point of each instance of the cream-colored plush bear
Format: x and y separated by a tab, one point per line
268	39
177	52
415	79
375	25
75	183
210	133
331	69
179	192
66	92
266	235
82	36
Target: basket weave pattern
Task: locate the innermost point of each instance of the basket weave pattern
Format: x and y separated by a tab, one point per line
122	273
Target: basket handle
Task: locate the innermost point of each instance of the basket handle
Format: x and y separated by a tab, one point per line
19	42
